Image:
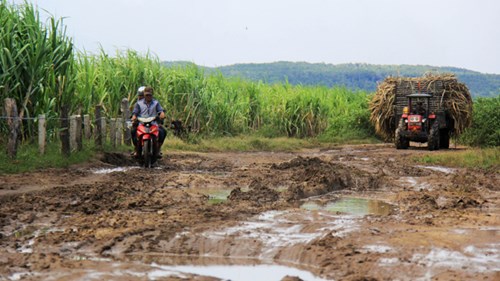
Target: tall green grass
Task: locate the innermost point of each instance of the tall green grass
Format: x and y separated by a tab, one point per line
486	158
36	62
485	129
29	159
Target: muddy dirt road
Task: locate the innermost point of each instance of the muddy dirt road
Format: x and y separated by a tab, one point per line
350	213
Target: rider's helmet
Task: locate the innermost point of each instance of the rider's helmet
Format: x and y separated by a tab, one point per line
140	91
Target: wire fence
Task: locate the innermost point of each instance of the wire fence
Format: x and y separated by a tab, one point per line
71	131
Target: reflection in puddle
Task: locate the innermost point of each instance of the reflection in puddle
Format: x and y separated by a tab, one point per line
475	259
269	233
412	182
19	275
439	169
353	206
378	248
242	272
104	270
113	170
216	196
484	232
27	248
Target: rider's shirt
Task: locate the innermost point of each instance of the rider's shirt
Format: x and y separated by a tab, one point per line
142	109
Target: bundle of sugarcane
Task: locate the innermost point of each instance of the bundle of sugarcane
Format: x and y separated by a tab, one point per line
447	94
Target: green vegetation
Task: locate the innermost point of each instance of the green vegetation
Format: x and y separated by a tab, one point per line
485	129
241	143
28	158
213	105
42	79
36	63
41	71
487	158
106	80
352	76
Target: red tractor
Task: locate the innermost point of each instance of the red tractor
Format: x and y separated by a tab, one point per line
419	124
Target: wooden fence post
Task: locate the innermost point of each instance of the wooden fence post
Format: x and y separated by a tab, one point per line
86	126
98	127
112	131
104	129
64	134
119	131
13	123
127	138
72	132
42	133
79	133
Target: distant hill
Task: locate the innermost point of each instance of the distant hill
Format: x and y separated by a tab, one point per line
353	76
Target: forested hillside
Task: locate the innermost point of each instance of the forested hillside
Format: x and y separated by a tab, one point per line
354	76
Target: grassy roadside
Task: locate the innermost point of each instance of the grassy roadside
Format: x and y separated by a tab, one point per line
240	143
28	158
485	158
247	143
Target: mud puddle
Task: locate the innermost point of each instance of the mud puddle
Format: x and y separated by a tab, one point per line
108	270
266	236
439	169
216	196
243	272
219	196
352	206
470	258
114	170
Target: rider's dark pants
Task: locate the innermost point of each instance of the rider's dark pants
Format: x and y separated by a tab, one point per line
133	133
162	135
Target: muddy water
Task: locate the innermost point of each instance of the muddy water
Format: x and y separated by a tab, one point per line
353	206
244	272
113	170
218	196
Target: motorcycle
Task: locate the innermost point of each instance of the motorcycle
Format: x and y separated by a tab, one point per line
147	136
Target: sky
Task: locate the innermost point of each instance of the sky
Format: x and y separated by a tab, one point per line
457	33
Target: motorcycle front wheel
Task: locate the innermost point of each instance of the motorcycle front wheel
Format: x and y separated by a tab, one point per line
147	152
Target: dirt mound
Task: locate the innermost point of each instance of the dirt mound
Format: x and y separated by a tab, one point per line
298	162
291	278
428	201
258	194
313	177
118	159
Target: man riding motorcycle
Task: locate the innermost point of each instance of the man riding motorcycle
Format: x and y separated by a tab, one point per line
148	107
133	131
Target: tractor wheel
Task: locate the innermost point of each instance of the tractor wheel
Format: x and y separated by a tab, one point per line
444	139
399	140
433	139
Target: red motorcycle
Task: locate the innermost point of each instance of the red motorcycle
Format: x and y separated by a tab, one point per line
147	137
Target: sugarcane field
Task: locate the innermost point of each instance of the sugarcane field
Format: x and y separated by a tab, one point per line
121	166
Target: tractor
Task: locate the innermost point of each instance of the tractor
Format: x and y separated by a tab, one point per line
422	122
